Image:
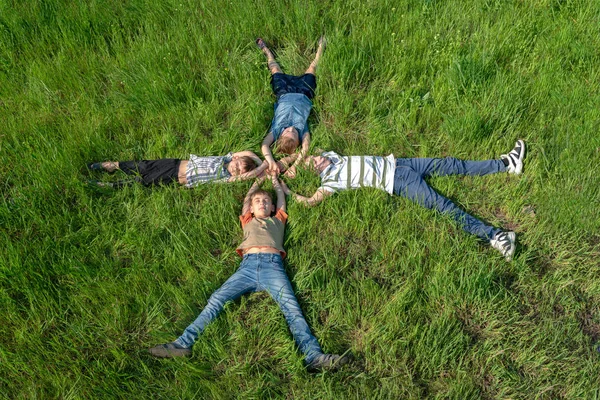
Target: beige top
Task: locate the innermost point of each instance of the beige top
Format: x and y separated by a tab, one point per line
263	232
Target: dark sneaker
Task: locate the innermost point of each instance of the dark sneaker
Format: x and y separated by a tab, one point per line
505	243
327	362
97	166
260	43
169	350
515	158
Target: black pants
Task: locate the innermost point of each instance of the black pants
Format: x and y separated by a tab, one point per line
153	172
283	84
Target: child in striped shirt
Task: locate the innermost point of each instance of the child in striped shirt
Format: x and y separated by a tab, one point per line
231	167
406	177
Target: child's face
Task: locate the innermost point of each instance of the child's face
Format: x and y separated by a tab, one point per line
262	206
235	167
318	163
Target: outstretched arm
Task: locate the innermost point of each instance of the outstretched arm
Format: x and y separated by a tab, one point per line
315	199
247	202
248	153
287	161
256	172
280	193
266	150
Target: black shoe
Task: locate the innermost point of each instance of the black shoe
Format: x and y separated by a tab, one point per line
95	166
327	362
169	350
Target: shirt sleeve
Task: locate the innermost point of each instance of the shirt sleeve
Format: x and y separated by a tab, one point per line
281	215
244	219
227	158
329	183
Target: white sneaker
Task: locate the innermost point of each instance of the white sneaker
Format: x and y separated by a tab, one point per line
515	158
504	242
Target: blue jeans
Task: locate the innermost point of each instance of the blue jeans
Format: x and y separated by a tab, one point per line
257	272
409	182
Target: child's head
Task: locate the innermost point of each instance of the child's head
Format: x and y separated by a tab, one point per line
261	204
288	141
240	165
317	163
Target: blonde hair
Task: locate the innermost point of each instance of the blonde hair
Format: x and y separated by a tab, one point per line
287	145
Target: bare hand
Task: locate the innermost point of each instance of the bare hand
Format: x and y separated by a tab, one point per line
274	167
290	173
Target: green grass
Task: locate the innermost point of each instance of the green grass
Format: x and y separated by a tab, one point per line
89	280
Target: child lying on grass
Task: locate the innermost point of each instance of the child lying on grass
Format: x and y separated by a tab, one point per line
406	177
289	127
261	269
231	167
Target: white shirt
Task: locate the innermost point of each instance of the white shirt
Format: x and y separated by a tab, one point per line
353	172
207	169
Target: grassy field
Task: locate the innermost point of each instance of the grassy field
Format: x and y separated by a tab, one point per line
90	279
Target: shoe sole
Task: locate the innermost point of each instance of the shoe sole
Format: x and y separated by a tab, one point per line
168	354
513	246
519	169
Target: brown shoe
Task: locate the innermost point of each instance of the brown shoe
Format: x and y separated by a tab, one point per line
169	350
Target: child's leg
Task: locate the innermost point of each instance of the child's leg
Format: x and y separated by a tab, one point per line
312	68
275	281
410	184
242	281
271	63
108	166
153	172
129	167
451	166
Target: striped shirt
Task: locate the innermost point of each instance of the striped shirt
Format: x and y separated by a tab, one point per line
207	169
358	171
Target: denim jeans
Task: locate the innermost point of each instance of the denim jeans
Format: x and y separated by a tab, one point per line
409	182
257	272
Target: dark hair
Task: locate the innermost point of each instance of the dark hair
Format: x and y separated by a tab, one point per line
247	164
287	145
261	191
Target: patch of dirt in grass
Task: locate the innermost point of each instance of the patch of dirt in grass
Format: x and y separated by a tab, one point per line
323	317
594	241
488	381
558	310
507	223
255	305
505	279
528	307
542	264
588	324
471	325
418	381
